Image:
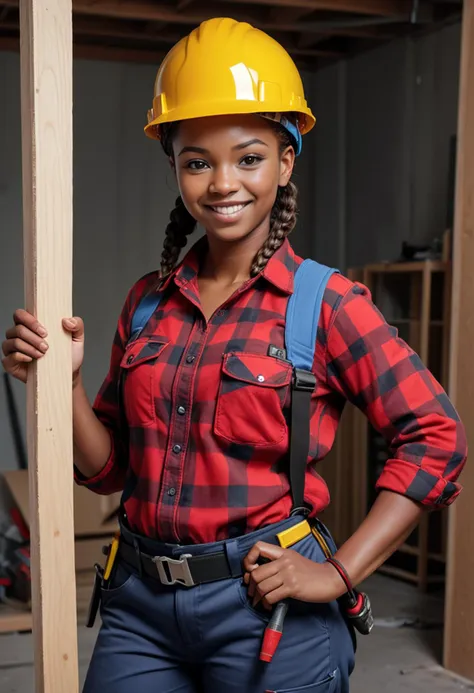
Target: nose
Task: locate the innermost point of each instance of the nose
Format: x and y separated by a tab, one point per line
224	181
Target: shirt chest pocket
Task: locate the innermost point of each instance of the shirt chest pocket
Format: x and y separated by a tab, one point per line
252	394
138	373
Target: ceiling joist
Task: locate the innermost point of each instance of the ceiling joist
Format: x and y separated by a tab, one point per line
315	32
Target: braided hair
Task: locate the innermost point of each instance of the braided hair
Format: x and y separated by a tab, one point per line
182	223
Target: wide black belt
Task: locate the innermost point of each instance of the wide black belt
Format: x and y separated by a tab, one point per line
185	570
191	570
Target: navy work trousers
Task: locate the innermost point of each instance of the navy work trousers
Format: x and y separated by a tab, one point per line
207	638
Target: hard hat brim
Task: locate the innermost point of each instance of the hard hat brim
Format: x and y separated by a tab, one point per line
306	121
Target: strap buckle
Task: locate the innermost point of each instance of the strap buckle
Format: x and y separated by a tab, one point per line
173	571
303	380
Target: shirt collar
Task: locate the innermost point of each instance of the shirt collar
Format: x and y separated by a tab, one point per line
279	270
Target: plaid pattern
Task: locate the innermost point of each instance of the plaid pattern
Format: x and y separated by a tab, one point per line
208	409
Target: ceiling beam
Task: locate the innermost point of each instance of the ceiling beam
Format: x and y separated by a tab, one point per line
124	54
383	8
287	15
183	4
148	10
85	28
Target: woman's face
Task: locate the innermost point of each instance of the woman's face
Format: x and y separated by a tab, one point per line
228	170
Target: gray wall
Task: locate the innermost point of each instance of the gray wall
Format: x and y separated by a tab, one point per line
381	150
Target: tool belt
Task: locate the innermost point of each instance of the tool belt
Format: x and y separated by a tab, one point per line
188	570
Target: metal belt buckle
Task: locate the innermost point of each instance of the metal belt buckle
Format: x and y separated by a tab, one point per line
174	571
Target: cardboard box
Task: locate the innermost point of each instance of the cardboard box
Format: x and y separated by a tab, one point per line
95	519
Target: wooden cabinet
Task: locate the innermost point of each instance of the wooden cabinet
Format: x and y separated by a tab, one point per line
415	298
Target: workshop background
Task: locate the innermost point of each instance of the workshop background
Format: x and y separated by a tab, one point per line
376	180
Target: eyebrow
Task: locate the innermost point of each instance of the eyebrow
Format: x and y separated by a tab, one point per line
243	145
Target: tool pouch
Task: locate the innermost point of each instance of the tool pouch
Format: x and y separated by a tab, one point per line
96	595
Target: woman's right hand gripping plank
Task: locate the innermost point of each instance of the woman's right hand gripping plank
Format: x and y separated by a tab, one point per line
25	342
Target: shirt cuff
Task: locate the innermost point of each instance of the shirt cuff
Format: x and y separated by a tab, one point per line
95	481
431	490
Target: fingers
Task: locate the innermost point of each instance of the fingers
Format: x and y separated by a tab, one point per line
31	346
265	588
22	317
260	574
75	326
276	596
259	551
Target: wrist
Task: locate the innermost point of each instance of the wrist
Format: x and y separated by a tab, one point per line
339	585
76	379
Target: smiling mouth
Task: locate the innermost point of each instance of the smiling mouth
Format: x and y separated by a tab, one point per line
228	210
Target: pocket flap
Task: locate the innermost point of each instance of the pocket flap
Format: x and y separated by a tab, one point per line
257	369
142	350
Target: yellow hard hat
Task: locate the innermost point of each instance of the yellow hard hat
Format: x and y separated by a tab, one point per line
225	67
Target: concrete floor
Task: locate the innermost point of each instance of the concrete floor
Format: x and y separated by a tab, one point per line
393	659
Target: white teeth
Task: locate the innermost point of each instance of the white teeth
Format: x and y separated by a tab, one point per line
228	211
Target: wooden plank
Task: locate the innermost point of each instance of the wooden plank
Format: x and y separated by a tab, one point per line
383	8
459	630
46	108
14	620
393	571
128	55
149	10
396	267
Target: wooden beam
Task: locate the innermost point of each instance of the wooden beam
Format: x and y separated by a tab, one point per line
459	629
126	54
383	8
288	15
149	10
183	4
111	29
46	110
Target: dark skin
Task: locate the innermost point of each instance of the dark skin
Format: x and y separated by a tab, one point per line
224	161
228	171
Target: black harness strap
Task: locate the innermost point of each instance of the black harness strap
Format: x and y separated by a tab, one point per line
302	388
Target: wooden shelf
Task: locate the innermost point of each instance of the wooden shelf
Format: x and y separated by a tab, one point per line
12	620
415	551
19	619
413	321
397	267
398	573
419	301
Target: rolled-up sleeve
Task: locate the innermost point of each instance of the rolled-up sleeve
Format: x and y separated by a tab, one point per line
379	373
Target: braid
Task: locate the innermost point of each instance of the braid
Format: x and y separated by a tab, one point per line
181	224
282	222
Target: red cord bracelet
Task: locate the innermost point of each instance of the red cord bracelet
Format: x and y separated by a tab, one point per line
342	572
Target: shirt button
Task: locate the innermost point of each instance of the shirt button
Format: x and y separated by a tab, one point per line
181	411
176	448
261	378
172	492
130	358
190	359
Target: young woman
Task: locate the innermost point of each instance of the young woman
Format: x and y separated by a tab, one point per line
192	419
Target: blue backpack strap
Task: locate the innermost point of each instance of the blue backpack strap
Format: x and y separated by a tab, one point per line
143	313
302	315
302	319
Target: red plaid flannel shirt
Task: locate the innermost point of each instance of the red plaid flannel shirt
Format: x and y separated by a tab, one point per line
207	409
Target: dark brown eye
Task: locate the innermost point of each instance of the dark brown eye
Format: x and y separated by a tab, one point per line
251	160
196	165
